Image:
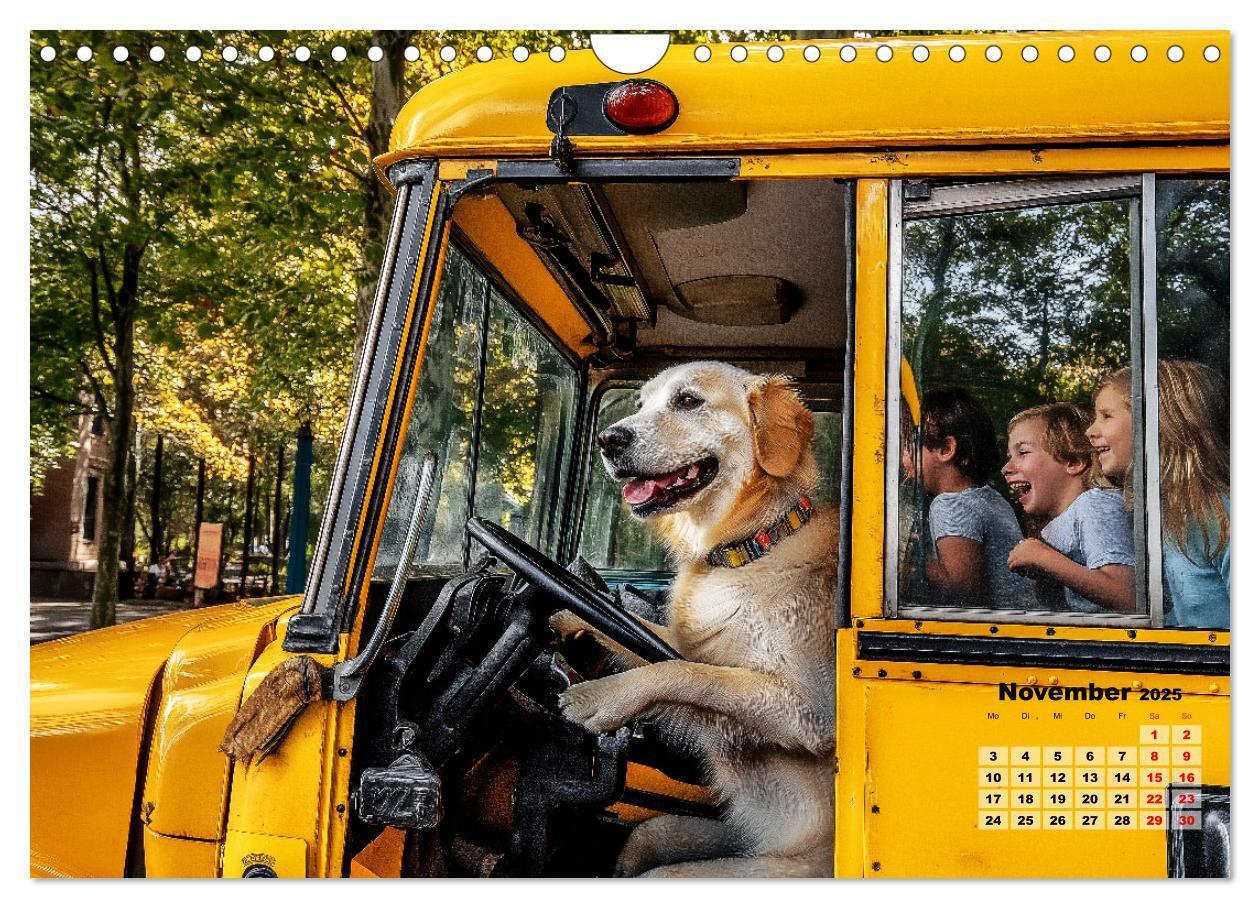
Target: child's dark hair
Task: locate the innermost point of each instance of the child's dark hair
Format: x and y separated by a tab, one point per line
953	411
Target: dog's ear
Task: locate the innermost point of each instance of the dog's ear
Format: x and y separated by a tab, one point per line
782	425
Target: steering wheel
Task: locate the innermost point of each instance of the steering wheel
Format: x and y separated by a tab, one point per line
595	607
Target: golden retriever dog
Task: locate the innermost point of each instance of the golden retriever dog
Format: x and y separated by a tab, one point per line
715	456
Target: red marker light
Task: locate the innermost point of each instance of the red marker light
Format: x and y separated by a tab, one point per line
640	105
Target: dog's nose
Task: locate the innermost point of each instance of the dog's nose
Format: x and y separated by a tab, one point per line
614	440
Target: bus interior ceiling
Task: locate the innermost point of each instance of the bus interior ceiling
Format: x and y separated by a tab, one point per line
752	272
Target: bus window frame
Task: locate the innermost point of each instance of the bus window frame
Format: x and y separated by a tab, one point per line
974	198
362	478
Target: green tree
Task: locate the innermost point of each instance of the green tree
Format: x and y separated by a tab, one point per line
169	198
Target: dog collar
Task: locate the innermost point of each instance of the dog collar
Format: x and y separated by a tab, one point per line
738	554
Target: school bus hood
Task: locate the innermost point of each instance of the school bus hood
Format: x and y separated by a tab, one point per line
94	700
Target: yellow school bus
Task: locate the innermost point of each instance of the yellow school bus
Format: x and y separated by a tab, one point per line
1019	215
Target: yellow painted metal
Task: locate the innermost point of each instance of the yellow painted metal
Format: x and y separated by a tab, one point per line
491	229
172	858
498	109
921	782
851	764
286	857
980	162
641	777
90	695
870	327
382	857
451	170
294	793
909	393
185	793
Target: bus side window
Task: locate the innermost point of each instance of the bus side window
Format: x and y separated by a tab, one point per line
1192	262
612	539
528	409
441	421
528	403
1012	313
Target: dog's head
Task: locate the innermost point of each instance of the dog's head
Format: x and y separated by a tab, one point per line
714	449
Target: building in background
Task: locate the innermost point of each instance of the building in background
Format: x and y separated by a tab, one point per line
67	518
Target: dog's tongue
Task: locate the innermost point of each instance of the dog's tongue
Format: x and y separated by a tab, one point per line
638	491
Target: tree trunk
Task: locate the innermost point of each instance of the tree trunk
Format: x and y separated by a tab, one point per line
199	511
128	544
155	506
121	429
248	528
275	522
388	95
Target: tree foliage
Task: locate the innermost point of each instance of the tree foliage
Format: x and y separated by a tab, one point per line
205	239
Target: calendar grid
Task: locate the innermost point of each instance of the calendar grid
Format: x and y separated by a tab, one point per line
1124	787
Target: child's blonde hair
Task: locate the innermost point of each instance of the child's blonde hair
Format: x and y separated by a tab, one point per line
1193	447
1063	436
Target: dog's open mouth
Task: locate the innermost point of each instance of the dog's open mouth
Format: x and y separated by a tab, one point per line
650	494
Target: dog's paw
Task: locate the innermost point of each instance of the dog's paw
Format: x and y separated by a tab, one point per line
567	625
601	705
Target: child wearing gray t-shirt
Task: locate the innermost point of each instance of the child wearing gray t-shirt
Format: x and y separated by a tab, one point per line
983	515
973	528
1095	530
1086	544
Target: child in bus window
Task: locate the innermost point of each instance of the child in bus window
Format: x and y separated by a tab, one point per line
1086	542
972	526
1193	481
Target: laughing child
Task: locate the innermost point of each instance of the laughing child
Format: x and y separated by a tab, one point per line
1086	542
972	526
1193	481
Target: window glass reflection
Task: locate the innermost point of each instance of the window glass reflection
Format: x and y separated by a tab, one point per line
1010	322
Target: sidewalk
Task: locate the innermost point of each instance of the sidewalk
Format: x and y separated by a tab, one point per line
53	619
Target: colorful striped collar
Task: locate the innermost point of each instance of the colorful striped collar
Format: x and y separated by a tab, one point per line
738	554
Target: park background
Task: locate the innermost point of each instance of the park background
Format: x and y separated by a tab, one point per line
206	232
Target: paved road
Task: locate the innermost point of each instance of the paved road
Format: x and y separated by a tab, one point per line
53	619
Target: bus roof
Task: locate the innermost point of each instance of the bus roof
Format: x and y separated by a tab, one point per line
499	108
